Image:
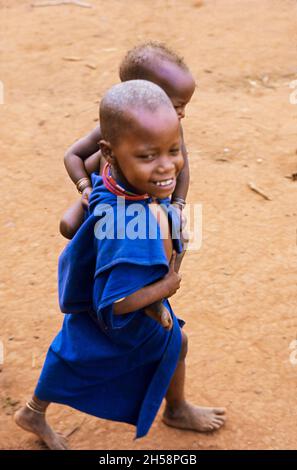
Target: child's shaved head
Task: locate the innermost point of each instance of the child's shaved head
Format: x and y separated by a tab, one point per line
122	99
153	61
139	62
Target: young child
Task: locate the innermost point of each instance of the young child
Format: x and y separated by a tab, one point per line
110	360
154	62
151	61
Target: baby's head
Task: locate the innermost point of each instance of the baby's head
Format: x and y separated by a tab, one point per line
141	137
153	61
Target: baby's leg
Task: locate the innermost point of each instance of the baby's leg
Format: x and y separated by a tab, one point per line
181	414
32	418
160	313
72	220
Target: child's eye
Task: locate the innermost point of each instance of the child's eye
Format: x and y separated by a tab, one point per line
148	157
174	151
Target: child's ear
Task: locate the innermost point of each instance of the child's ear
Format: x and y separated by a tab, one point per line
106	151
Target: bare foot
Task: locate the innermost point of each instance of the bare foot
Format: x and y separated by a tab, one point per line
161	314
195	418
36	423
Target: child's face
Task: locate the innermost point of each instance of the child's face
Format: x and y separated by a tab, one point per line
148	158
178	84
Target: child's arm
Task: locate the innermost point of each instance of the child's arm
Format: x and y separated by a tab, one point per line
76	154
159	290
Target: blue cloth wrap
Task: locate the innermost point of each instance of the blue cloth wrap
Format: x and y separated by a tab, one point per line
116	367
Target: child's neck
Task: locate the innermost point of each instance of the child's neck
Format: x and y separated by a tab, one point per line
121	180
119	186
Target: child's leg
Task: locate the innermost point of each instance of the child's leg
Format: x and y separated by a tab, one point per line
72	220
181	414
32	418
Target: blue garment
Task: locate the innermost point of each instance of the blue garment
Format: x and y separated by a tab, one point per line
116	367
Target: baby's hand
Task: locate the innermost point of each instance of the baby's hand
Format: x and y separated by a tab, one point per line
85	197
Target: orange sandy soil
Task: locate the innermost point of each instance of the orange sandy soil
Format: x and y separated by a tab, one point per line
238	295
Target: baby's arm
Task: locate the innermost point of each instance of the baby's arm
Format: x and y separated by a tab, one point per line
183	179
92	163
74	216
78	152
77	157
159	290
178	200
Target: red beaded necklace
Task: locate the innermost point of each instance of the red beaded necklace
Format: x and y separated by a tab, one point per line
111	184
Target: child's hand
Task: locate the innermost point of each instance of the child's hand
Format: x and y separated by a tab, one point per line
85	197
172	279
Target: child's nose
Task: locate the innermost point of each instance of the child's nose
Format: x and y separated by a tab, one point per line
166	165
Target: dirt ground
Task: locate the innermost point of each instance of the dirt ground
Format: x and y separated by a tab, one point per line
238	295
